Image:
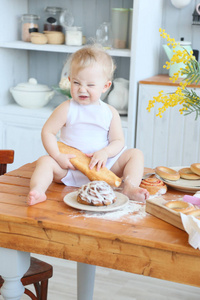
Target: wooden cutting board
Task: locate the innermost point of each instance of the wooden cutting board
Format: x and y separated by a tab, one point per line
157	208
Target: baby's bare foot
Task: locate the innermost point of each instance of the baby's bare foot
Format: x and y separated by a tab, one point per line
136	193
35	197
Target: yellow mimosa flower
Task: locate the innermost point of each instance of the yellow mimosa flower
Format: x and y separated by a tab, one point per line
182	96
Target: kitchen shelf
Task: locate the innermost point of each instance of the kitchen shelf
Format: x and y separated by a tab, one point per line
57	48
21	60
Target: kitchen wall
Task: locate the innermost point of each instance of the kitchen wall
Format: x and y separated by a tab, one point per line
178	23
88	20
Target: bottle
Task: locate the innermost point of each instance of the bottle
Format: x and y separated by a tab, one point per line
52	19
119	19
29	24
104	35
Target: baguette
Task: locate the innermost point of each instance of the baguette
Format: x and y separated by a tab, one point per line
81	163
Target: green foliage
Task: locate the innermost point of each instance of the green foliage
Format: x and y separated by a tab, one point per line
192	103
192	71
61	91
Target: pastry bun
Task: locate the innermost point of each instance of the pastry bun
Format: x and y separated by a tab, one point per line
81	163
167	173
179	206
186	173
195	213
195	168
154	186
97	193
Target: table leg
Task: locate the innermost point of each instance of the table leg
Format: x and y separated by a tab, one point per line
85	281
13	265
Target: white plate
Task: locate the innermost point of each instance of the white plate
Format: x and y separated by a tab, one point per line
70	199
183	185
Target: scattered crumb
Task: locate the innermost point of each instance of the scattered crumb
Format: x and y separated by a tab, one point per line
132	210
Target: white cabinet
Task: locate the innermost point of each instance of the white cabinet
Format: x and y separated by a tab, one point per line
21	131
174	139
20	61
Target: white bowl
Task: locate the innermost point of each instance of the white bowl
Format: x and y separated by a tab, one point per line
31	94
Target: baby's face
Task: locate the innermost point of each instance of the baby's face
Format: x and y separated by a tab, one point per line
88	84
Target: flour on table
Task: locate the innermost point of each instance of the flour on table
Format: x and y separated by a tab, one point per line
132	210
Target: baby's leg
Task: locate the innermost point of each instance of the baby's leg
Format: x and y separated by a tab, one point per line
130	165
46	169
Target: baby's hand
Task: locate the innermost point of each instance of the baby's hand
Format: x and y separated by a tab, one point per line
64	161
98	159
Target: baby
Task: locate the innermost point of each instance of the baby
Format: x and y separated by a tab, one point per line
90	125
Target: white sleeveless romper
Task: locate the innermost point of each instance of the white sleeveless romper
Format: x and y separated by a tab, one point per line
86	129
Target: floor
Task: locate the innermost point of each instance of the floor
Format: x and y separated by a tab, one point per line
113	285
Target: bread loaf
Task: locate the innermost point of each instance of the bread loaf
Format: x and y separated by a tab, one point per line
81	163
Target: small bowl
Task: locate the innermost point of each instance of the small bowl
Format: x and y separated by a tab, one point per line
55	37
38	38
31	94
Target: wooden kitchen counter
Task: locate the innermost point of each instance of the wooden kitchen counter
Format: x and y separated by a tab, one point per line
141	244
164	79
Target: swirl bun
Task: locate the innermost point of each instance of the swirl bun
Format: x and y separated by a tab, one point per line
154	186
97	193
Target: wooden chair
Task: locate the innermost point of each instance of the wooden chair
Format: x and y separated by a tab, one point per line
6	157
39	271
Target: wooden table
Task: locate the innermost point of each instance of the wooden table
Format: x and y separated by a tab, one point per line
142	245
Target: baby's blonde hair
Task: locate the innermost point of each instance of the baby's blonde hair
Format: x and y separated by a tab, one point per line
90	54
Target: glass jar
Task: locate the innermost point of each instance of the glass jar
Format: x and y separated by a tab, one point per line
119	19
29	24
52	19
104	35
73	36
130	27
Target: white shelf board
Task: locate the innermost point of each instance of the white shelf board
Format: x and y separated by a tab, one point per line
57	48
16	110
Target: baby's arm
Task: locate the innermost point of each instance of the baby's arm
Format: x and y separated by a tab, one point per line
116	142
52	126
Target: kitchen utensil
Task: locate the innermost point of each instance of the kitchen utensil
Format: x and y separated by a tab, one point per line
169	51
31	94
